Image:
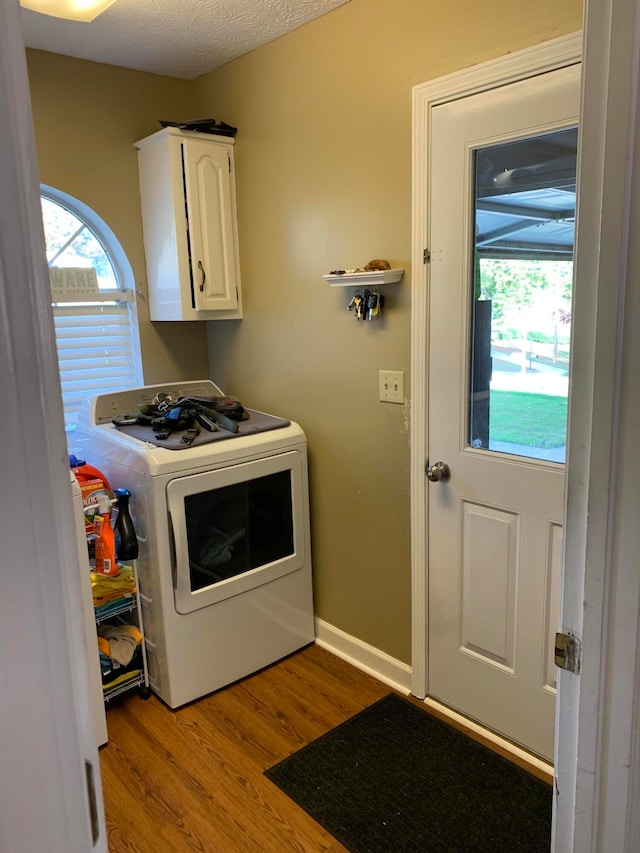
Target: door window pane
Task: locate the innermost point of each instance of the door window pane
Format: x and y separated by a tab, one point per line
239	527
524	218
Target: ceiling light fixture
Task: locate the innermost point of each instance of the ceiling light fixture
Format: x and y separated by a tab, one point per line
71	10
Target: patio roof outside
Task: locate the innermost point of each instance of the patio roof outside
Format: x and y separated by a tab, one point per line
526	198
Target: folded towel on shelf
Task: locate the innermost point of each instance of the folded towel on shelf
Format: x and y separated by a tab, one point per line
106	588
105	584
112	606
111	669
106	666
129	675
122	639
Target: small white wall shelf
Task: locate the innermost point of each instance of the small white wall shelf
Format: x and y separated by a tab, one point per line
364	279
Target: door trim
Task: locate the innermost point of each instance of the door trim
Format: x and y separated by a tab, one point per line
45	704
598	742
549	56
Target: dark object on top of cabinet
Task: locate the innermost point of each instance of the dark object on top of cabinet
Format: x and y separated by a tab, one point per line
203	125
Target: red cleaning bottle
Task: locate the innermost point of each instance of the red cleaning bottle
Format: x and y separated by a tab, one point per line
92	483
105	542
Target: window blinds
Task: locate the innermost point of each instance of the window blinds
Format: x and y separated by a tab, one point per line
97	351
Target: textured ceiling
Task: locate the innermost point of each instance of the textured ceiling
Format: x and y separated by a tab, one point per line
179	38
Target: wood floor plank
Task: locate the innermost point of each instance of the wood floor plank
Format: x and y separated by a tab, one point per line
192	779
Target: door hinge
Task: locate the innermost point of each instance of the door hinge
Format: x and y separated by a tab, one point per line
568	653
93	802
426	256
229	160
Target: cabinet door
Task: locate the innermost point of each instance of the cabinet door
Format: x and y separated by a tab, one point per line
208	170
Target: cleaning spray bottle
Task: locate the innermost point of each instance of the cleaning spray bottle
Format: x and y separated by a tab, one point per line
126	539
105	543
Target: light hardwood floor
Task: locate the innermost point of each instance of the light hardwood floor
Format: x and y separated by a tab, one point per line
192	779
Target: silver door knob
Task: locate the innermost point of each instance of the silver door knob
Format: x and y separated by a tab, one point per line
437	472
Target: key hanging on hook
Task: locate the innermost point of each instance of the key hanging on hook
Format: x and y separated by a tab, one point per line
372	305
357	303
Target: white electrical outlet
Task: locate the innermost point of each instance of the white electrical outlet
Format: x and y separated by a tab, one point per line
391	386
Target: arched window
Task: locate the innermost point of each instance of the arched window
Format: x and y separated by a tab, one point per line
96	327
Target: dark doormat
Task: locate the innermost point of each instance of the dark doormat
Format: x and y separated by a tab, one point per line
394	779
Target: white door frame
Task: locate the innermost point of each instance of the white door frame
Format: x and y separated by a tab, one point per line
597	749
498	72
597	806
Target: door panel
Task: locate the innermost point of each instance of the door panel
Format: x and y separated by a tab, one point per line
489	581
495	526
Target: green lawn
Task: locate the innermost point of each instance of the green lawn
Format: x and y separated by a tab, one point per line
534	420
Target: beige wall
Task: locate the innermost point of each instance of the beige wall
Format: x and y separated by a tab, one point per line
324	182
87	117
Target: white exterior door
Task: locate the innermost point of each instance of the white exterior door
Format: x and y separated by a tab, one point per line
502	209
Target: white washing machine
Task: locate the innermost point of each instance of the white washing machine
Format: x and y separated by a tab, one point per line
224	546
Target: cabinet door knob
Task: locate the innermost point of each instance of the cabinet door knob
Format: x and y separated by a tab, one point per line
204	276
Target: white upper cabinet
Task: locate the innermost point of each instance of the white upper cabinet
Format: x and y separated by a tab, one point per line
187	190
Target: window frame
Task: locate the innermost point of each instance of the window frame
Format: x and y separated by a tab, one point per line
125	294
103	234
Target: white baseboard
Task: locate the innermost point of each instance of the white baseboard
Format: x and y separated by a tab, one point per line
398	676
365	657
